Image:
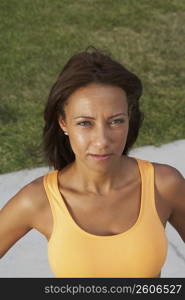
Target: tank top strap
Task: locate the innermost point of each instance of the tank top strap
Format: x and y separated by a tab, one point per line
146	169
50	182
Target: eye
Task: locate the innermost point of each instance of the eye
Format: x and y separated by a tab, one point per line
86	123
83	123
118	121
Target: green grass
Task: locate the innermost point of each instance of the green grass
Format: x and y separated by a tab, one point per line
38	37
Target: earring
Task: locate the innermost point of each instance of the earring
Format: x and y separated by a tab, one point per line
65	132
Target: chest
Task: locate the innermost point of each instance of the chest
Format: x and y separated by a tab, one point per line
102	215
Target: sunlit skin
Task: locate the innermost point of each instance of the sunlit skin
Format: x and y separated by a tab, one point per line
93	128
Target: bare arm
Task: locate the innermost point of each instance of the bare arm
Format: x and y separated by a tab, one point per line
172	188
177	217
16	219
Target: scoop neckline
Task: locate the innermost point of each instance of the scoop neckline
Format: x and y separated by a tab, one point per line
91	235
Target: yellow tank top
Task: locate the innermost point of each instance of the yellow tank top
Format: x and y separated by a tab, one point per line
138	252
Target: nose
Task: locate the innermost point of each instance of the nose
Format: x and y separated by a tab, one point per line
101	138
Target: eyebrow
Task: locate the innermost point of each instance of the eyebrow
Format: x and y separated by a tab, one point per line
88	117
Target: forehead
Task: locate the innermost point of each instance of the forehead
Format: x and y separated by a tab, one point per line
97	97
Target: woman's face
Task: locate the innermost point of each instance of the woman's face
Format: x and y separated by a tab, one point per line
97	123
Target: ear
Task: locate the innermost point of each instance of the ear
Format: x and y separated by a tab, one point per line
62	124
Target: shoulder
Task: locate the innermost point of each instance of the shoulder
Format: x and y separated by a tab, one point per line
166	169
169	182
171	187
31	197
168	179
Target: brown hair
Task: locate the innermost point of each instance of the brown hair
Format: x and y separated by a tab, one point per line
89	66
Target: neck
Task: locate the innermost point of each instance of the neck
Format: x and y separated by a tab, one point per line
99	182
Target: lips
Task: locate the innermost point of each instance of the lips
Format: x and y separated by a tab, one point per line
100	154
100	157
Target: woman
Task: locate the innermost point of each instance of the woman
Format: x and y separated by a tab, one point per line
102	212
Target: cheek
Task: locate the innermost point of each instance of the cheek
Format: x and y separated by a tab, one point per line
78	141
122	133
121	138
